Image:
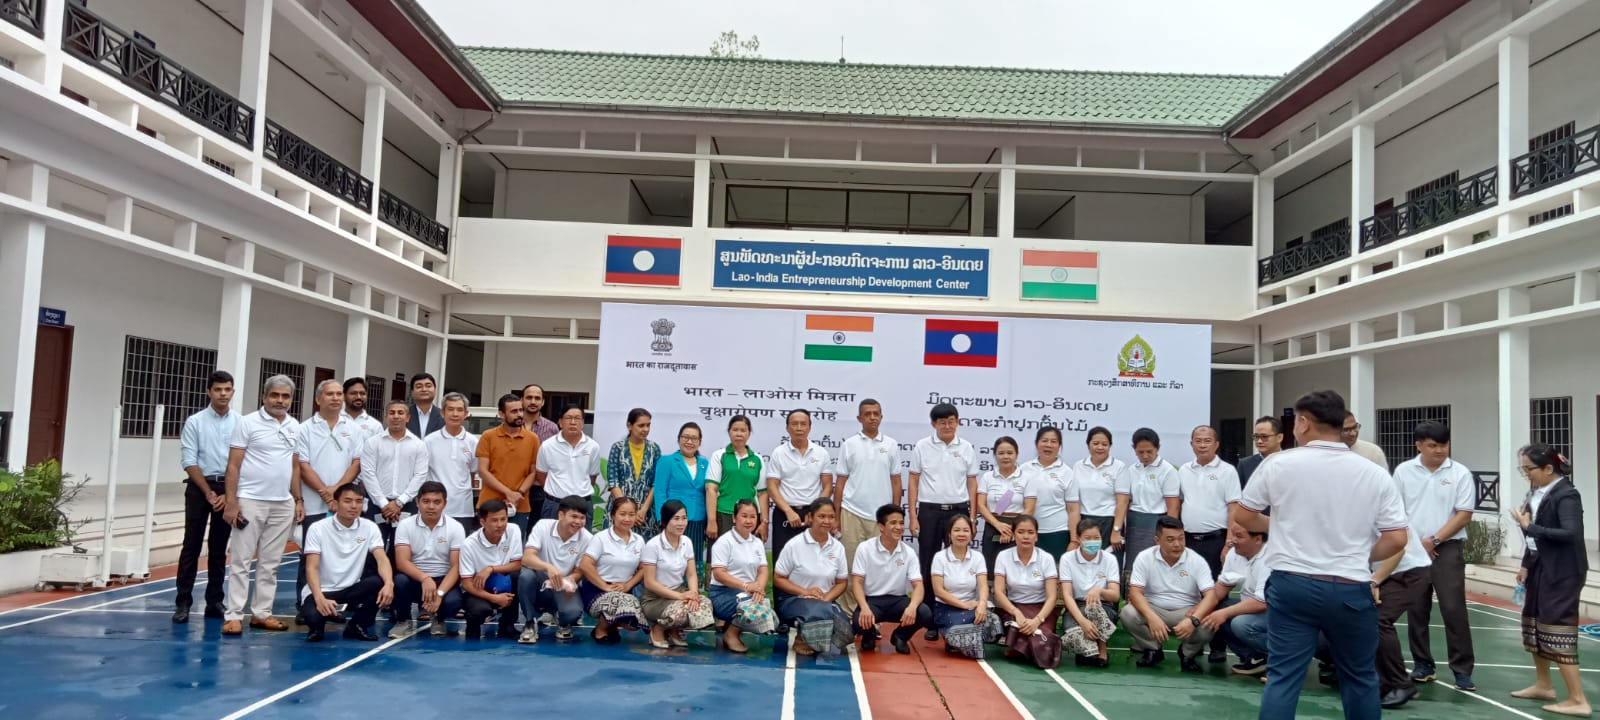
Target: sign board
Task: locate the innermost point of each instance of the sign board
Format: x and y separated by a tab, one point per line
55	317
835	267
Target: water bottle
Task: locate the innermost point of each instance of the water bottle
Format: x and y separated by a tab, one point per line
1519	595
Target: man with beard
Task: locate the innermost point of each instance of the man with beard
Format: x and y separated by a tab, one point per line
263	504
505	462
533	413
355	405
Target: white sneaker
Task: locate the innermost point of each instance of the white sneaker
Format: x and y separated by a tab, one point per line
547	619
530	634
403	629
438	628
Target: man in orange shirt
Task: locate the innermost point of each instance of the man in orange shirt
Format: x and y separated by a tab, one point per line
505	461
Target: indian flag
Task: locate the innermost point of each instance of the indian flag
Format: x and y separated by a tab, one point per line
1060	275
845	338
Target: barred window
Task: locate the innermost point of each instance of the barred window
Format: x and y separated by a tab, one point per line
295	372
375	403
1550	422
1397	428
154	373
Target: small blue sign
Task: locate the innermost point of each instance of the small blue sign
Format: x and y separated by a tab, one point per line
829	267
52	316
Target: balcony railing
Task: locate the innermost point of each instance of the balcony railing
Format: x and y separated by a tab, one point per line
293	153
411	221
1487	498
25	14
1466	197
139	66
1556	162
1327	245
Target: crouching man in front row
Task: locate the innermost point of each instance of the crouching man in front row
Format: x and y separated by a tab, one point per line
336	551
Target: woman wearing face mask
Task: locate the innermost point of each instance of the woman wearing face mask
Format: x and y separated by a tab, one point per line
612	575
739	577
1089	577
672	601
1004	499
961	593
1025	586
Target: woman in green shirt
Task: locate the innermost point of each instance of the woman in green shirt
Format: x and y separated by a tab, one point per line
735	474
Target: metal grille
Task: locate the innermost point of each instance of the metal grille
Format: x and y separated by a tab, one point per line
218	164
1397	427
295	371
1551	214
162	373
375	403
1550	422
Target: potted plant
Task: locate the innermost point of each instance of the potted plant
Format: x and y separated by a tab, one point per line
32	522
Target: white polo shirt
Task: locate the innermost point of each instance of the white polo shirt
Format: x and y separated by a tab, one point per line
1149	486
1328	506
369	425
808	563
1175	586
478	554
871	465
1207	492
799	474
615	558
1254	584
430	547
884	571
1431	497
944	469
742	556
961	577
544	538
452	460
329	450
1236	568
672	563
393	469
1086	575
1052	487
1415	556
268	463
343	551
571	467
995	488
1025	582
1097	485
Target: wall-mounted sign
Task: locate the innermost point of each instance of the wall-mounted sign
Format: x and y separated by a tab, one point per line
830	267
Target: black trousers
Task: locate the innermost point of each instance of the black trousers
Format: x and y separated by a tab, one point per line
931	518
361	598
479	610
197	516
781	531
1210	545
888	609
1447	578
1399	593
300	570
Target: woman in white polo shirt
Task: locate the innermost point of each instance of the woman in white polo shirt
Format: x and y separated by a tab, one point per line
1049	483
611	573
1089	577
1003	500
671	580
960	580
1095	478
811	575
1025	585
739	573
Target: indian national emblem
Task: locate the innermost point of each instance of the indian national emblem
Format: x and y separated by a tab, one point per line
838	338
663	330
1137	359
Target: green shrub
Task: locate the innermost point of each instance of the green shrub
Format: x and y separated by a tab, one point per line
1484	540
31	505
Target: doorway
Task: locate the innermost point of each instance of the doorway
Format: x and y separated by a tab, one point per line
52	372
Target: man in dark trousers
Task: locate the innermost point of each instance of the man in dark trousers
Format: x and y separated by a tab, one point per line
205	461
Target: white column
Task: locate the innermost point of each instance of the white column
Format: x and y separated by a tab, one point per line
1266	390
1512	93
438	349
1363	162
1512	419
1261	206
701	215
1197	218
500	189
1363	400
233	325
46	69
357	335
254	61
21	280
449	193
1006	218
372	137
975	215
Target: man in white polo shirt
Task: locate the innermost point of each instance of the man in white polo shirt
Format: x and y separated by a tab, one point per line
453	460
866	477
943	481
336	552
549	578
489	559
1439	494
1333	513
263	485
328	451
567	465
1241	623
1165	588
427	550
885	571
1208	488
798	473
394	464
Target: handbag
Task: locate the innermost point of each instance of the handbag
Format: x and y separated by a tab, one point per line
1043	648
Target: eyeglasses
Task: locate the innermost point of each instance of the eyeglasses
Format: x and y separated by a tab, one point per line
1525	469
1263	437
1352	429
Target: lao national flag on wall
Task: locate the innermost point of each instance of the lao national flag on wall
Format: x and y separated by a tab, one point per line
632	260
961	343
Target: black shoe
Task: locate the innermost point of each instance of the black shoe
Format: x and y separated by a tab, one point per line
181	615
1251	666
1397	697
900	645
1327	676
1090	661
1217	656
1189	664
1151	658
474	630
352	632
931	635
505	634
869	644
339	619
314	635
300	619
214	611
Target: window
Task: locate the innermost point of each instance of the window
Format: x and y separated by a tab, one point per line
375	385
555	402
1396	428
162	373
1550	422
295	371
1551	214
849	210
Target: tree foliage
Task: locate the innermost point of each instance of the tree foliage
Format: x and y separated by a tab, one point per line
729	45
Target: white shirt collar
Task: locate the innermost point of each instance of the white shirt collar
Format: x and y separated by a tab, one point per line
1216	461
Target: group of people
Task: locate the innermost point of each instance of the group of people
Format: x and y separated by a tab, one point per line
388	518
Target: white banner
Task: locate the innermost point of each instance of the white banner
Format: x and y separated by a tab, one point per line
1007	376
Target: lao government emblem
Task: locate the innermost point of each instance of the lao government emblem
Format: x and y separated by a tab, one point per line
1137	359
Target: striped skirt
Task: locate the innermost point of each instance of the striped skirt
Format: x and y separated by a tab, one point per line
1550	616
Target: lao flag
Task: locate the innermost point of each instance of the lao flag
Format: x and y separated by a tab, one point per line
632	260
961	343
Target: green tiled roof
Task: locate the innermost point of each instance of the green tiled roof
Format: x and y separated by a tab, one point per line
547	77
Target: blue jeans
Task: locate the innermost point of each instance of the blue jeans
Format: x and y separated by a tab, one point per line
945	616
408	592
1246	635
1300	607
550	508
568	608
724	602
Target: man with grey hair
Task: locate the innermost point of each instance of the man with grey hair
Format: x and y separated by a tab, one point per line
327	450
263	504
453	460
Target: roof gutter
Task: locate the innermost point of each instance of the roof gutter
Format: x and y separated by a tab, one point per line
437	36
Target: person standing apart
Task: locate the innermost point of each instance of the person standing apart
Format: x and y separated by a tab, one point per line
1096	479
505	462
1333	514
533	412
1003	500
943	482
1208	488
328	452
681	476
797	475
1050	484
1146	490
735	474
205	466
1268	438
1440	495
567	465
424	416
263	504
1553	571
631	468
394	465
866	477
453	460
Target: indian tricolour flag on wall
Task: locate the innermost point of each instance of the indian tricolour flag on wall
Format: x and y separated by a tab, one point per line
1060	275
843	338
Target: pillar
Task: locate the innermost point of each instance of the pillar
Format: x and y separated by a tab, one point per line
1006	217
701	215
1512	424
254	61
1512	128
1261	206
445	199
1363	400
1363	162
357	336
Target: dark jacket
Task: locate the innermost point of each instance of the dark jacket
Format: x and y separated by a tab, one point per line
1247	467
1558	529
421	426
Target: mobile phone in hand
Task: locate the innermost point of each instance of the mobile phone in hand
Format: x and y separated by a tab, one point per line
240	523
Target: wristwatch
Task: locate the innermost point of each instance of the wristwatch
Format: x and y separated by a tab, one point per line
440	593
1194	620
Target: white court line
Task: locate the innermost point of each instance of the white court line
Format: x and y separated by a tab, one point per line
1496	703
1093	711
1480	605
74	611
788	680
308	682
1528	667
105	591
861	686
1005	690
